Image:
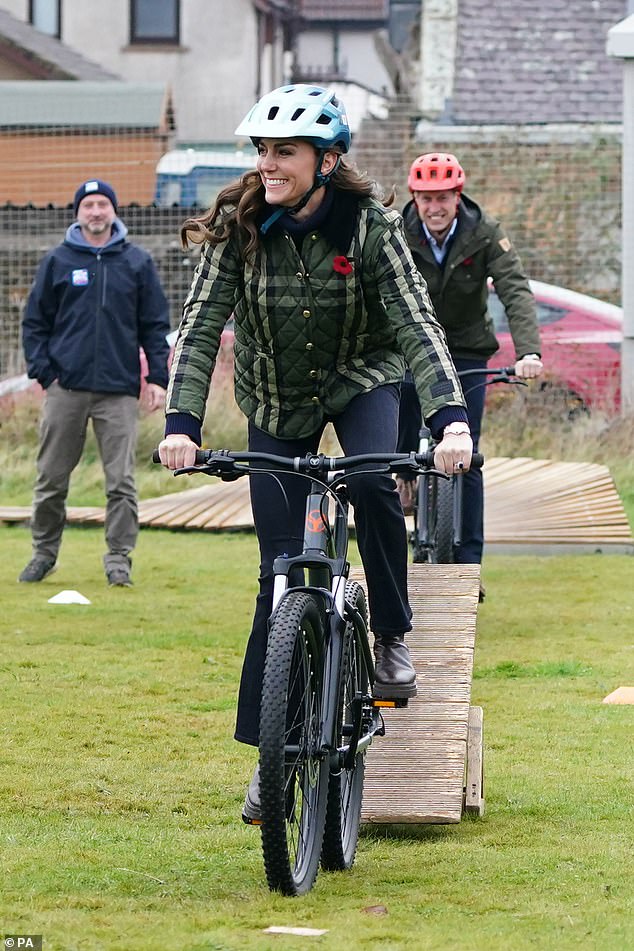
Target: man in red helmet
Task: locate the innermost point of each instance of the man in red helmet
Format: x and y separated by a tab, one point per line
457	247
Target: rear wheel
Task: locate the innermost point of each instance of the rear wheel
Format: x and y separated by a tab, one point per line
293	767
345	788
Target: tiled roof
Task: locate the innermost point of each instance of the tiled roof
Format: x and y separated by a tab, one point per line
329	10
42	103
47	51
536	62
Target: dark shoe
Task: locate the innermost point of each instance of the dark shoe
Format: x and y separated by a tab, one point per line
251	810
119	578
394	676
37	569
482	594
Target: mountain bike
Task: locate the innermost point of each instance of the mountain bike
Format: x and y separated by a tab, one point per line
319	713
437	510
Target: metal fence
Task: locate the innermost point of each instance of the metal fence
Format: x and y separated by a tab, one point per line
557	194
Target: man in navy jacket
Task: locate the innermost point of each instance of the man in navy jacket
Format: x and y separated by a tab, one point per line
95	301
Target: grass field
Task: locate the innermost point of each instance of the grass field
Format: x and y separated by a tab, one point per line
122	786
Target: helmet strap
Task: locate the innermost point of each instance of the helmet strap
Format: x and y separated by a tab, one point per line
320	179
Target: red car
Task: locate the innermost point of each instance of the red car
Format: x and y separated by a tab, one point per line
581	345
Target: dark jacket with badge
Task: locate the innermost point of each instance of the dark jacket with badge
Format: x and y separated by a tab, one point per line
479	249
317	322
89	311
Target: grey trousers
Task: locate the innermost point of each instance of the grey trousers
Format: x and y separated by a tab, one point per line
63	426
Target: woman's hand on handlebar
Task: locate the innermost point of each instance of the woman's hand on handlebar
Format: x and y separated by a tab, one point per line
177	451
453	453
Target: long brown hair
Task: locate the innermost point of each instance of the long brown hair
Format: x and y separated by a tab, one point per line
239	204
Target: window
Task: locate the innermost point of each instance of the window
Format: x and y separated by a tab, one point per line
46	16
155	21
546	313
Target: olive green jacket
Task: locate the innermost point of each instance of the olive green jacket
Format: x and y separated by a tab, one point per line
479	250
314	327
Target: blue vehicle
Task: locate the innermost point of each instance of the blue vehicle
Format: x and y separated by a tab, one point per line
192	178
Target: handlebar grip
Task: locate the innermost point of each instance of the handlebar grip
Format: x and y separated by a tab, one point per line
427	459
202	456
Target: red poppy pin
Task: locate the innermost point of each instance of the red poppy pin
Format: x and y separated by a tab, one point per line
467	262
342	265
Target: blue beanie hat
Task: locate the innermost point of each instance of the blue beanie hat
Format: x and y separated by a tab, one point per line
95	187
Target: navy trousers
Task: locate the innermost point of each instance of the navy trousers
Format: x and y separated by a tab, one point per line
368	424
470	551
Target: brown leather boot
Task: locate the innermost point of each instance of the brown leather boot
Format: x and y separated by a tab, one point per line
394	677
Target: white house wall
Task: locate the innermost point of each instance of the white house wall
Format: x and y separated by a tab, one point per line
18	8
358	59
213	75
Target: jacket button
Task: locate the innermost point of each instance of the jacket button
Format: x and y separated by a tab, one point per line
313	374
306	313
299	275
313	237
314	399
309	346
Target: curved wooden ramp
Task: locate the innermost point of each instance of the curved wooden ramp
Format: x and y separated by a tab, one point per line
416	773
528	501
539	501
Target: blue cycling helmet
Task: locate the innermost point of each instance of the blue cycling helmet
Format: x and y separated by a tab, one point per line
302	112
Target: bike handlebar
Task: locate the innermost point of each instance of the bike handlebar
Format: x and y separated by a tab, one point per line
227	464
502	372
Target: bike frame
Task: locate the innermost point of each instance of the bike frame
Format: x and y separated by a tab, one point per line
424	518
324	561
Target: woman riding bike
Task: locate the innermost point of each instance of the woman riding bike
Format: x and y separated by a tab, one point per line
326	301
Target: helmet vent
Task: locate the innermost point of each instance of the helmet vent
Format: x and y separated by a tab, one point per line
297	114
324	119
273	111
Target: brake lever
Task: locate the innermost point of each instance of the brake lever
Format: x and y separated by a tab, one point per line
226	470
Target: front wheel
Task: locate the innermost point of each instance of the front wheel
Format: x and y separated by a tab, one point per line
293	766
444	533
433	537
345	789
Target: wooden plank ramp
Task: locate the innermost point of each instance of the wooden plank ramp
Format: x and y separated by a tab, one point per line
416	772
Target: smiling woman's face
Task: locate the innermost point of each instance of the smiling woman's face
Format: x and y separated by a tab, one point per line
287	169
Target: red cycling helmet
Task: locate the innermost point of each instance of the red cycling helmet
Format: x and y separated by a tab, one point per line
436	171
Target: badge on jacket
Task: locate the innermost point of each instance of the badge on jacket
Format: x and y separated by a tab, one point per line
80	277
505	244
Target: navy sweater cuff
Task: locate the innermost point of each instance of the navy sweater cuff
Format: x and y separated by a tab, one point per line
182	424
444	416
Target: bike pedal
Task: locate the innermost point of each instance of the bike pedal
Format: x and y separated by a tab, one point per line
400	702
251	822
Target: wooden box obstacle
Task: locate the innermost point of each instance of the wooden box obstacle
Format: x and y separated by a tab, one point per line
428	767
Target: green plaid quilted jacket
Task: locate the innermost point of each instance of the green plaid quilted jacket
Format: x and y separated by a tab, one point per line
314	326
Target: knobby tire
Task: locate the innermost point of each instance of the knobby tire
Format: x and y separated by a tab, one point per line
444	536
345	788
293	768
